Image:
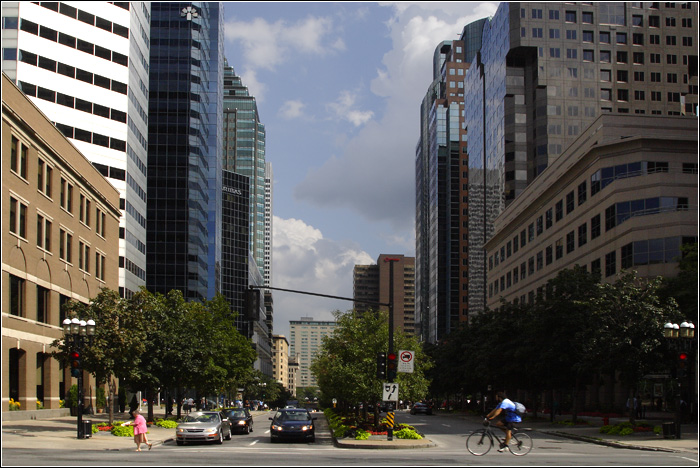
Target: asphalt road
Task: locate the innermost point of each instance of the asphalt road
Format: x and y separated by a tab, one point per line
255	449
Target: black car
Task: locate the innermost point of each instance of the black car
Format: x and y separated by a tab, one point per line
421	408
239	419
294	423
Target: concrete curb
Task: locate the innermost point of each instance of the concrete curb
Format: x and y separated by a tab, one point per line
609	443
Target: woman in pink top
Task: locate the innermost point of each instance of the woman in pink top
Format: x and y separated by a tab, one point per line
140	430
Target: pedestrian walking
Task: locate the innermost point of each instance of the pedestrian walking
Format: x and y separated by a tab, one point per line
140	430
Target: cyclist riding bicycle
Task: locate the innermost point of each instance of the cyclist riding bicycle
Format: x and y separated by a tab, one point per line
506	408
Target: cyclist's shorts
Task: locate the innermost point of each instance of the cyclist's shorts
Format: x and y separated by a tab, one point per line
509	424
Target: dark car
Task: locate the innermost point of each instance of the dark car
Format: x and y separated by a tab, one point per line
294	423
239	419
203	426
420	407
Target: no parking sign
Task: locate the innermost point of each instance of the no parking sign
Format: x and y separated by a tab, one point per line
406	359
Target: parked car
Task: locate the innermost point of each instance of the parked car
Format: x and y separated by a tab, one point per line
239	419
292	424
203	426
420	407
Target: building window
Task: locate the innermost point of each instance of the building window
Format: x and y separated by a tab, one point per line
582	237
570	242
587	17
605	56
17	298
84	210
638	76
45	173
569	202
43	302
83	256
588	55
559	210
66	195
18	158
610	264
65	248
570	16
539	225
559	249
548	255
548	218
18	218
43	233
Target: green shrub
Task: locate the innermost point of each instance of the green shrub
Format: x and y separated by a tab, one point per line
657	430
166	423
100	398
340	431
407	434
615	430
605	429
123	431
95	430
362	435
626	431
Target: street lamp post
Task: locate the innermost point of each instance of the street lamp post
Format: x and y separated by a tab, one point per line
76	333
680	335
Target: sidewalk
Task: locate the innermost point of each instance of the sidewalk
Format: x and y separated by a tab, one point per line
61	433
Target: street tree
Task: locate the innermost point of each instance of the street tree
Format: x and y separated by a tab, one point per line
116	350
346	365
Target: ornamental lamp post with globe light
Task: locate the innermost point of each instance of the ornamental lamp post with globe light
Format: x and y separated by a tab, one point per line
77	333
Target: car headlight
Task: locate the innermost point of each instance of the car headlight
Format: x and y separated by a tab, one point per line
307	428
179	429
211	431
241	423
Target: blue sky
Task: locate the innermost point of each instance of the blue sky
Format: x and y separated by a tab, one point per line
339	87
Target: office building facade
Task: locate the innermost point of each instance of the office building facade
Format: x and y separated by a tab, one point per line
61	219
623	196
85	65
373	283
184	177
280	360
305	339
544	73
441	191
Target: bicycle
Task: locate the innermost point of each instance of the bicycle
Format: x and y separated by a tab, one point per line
480	442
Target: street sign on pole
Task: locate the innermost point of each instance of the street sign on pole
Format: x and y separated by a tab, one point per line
406	359
391	391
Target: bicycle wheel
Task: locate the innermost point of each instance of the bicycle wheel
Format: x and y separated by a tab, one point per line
479	442
520	444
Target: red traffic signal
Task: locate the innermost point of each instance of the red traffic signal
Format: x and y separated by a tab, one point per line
683	356
391	366
75	363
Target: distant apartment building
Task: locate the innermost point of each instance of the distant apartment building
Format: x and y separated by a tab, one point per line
280	360
86	66
305	336
61	220
373	283
293	376
623	196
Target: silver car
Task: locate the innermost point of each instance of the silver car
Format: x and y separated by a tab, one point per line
203	426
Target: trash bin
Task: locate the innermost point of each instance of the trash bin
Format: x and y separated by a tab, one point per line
87	428
669	430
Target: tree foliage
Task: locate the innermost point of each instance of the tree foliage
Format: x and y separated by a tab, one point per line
346	365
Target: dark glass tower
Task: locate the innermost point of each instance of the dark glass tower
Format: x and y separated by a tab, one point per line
184	151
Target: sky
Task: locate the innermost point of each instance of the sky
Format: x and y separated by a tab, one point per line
339	87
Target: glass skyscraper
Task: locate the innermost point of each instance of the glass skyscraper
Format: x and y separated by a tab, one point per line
244	153
184	178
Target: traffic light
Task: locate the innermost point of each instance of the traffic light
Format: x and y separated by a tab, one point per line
252	304
381	365
75	364
391	366
683	358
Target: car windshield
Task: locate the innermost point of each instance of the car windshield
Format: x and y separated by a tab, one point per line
292	416
201	417
236	414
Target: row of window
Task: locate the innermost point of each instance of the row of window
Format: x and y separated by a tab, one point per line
598	180
609	14
89	18
72	72
634	254
605	37
19	153
614	215
17	290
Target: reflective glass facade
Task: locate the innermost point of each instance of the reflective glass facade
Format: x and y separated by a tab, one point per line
183	156
244	153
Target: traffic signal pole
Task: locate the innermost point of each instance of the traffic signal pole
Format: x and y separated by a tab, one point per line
390	430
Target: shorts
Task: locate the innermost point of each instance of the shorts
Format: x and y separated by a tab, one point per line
508	424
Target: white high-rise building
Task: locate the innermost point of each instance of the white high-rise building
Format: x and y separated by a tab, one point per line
268	224
85	65
305	339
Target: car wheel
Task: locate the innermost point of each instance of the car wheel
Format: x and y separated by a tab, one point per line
220	440
250	428
228	436
180	442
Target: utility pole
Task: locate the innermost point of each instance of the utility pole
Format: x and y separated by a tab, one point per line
391	260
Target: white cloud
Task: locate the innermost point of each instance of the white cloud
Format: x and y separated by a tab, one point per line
344	108
292	109
303	260
381	155
267	44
